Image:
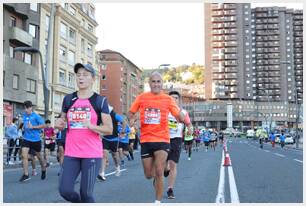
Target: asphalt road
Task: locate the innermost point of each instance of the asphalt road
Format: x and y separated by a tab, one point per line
259	176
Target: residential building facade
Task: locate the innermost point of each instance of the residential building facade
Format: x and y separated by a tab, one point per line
21	23
74	41
121	80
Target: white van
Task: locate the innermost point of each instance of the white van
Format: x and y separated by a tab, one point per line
250	133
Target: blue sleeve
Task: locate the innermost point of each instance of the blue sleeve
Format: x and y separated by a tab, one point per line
119	118
39	119
104	107
127	129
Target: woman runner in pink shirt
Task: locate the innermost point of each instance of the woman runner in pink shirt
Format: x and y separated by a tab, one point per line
83	149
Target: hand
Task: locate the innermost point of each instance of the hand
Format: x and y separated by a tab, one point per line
30	126
60	123
87	124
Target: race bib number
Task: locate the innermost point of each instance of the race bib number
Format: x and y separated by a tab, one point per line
152	116
77	116
48	141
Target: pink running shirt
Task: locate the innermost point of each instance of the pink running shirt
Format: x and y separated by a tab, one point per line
82	142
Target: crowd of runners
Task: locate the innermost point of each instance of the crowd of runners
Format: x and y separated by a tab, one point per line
89	131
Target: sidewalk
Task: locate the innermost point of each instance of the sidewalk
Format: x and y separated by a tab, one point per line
52	159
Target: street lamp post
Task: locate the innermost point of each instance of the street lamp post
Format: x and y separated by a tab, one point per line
43	72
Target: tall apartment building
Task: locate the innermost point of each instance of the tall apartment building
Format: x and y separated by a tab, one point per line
253	53
21	23
74	40
228	73
298	52
121	80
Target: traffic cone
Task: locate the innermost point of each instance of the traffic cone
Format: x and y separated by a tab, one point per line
227	160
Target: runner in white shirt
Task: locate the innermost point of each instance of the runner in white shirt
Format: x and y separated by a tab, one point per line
176	135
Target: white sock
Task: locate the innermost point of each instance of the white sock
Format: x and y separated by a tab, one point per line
157	201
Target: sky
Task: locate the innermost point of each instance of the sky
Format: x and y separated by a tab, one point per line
151	34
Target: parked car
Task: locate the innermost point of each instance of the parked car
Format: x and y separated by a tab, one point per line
250	133
289	139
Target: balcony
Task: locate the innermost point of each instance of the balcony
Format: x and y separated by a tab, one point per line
230	56
231	44
230	13
217	19
230	25
216	6
230	50
20	37
230	31
217	13
229	6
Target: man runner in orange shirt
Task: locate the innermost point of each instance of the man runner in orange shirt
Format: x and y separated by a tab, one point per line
154	107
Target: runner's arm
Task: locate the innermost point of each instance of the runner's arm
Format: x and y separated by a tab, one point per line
106	128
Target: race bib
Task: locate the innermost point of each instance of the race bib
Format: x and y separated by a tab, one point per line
152	116
77	116
48	141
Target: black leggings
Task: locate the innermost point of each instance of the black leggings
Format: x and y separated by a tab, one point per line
89	167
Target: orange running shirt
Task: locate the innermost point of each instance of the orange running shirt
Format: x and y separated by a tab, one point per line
154	110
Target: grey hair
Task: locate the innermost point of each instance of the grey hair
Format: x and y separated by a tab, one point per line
156	73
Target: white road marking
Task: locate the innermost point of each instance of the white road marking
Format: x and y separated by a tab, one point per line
266	150
298	160
233	187
277	154
111	173
220	195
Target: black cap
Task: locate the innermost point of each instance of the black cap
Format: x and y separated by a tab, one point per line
88	67
27	104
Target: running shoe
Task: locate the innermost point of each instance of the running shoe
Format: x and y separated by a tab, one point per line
101	178
170	193
189	158
166	173
43	175
34	173
24	178
117	173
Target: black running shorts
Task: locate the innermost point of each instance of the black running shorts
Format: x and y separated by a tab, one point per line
175	149
110	145
36	146
148	148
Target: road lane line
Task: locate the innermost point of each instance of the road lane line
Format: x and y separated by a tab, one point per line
233	187
279	155
298	160
266	150
111	173
220	195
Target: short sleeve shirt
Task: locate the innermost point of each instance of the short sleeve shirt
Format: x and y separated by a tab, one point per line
82	142
154	110
32	135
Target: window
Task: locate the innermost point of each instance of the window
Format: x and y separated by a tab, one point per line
103	77
31	85
47	22
62	77
3	78
91	12
89	50
83	23
63	30
62	53
15	81
82	45
33	7
72	36
90	28
12	52
12	21
71	57
103	66
33	30
71	80
72	10
27	58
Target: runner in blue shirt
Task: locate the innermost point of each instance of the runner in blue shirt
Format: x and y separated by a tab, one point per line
124	144
282	140
111	144
32	125
272	139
